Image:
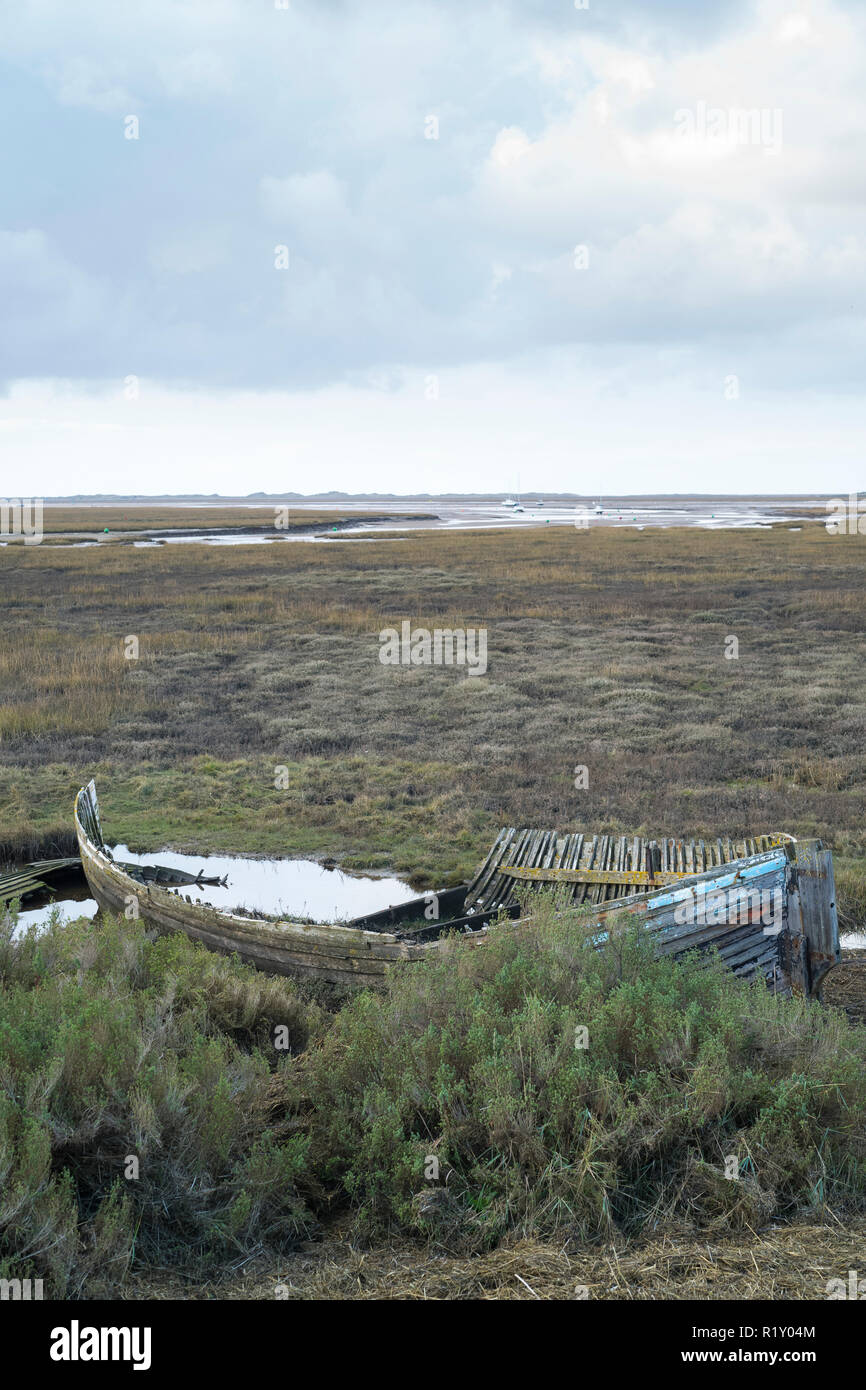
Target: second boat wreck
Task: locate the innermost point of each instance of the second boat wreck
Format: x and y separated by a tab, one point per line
767	905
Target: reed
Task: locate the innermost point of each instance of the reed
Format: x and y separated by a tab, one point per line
606	649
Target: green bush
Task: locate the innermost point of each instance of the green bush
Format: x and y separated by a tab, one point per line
117	1046
471	1059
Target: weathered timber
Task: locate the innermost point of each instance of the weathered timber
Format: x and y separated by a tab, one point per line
636	877
30	878
598	867
722	906
340	954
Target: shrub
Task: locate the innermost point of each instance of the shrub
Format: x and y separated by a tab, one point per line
459	1106
471	1060
117	1046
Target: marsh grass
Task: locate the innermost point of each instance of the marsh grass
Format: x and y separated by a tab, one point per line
606	649
123	522
115	1044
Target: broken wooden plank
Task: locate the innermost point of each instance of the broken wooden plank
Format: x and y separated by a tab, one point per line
635	877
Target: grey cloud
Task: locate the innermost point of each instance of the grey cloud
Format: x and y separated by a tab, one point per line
307	128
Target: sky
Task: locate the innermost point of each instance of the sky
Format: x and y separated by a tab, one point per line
313	245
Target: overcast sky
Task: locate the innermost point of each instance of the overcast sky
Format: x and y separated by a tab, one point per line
524	242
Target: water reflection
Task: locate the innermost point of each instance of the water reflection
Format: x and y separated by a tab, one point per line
287	887
290	887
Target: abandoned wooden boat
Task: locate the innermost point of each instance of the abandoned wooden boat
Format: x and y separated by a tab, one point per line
767	905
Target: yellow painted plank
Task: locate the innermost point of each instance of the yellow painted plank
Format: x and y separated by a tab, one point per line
600	876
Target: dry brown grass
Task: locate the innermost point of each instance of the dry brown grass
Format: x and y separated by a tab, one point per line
845	987
785	1263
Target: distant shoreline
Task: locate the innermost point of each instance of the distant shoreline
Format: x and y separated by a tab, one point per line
342	498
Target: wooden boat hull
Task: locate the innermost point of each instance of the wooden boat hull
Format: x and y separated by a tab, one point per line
341	955
770	915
